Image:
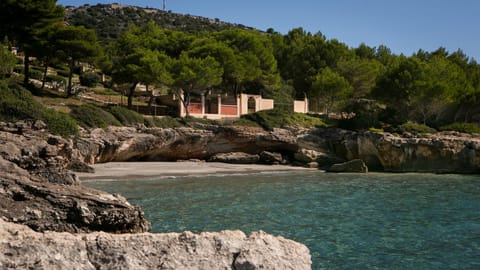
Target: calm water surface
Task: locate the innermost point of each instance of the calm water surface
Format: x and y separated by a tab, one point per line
348	221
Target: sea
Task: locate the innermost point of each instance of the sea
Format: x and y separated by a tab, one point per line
348	221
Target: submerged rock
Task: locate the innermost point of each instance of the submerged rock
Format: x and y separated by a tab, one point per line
23	248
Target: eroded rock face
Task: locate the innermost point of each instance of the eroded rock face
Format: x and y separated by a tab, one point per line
439	153
199	142
23	248
41	205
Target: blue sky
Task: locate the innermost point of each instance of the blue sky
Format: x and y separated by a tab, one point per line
402	25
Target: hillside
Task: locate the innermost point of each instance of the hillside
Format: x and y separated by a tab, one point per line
109	20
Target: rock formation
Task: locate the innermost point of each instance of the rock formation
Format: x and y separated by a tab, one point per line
20	247
441	152
352	166
446	152
38	190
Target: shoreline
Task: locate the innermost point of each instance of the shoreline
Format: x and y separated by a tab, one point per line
145	170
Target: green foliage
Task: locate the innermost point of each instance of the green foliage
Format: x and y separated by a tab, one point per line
276	118
7	61
63	73
125	116
91	116
163	122
16	103
106	91
89	79
55	78
60	123
331	90
36	74
109	23
462	127
376	130
416	128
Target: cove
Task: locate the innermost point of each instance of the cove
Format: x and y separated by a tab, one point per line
348	221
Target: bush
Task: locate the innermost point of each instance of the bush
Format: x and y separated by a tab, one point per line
56	78
63	73
36	74
89	79
91	116
125	116
416	128
163	122
276	118
60	123
17	103
462	127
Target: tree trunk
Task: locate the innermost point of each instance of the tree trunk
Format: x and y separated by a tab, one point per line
45	74
70	75
150	100
131	91
26	69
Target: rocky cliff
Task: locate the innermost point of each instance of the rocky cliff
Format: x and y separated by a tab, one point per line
22	248
447	152
439	153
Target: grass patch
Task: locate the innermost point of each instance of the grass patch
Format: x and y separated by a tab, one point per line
416	128
462	127
376	130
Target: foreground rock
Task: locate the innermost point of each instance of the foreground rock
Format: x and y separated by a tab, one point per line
20	247
30	200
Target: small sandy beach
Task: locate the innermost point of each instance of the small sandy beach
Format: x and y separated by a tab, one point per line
142	170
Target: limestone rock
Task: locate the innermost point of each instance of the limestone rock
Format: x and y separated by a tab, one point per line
271	158
28	199
23	248
353	166
235	158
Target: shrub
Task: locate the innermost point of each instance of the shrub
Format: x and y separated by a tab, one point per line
276	118
416	128
17	103
36	74
89	79
163	122
91	116
60	123
63	73
56	78
462	127
125	116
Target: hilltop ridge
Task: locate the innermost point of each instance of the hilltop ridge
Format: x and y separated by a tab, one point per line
110	20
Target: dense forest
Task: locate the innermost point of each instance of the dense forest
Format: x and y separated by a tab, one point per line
438	89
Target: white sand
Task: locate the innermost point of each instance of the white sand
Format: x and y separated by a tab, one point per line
138	170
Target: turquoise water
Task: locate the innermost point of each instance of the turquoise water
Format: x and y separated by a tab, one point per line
348	221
